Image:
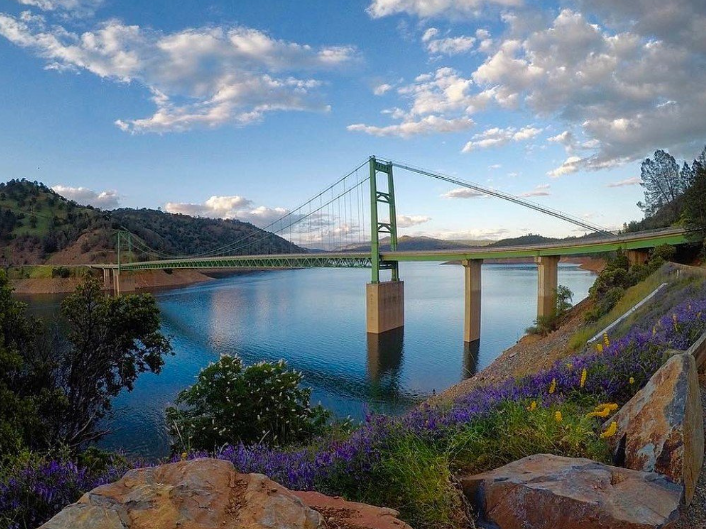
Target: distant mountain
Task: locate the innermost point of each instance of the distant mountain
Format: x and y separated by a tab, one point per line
37	225
409	243
524	240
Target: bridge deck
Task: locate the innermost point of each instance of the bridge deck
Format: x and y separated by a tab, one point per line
362	259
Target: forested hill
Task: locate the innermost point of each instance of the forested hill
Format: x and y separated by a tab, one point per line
37	226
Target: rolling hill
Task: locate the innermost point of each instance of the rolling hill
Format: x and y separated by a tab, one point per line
39	226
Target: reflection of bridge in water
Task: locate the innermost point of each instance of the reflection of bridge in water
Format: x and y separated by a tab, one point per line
334	218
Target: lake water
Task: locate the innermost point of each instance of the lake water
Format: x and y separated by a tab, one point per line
315	320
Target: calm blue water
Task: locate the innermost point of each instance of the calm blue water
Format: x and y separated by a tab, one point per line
315	320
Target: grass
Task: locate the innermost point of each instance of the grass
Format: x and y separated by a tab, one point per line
42	271
633	296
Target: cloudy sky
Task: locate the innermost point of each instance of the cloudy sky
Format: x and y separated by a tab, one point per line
243	109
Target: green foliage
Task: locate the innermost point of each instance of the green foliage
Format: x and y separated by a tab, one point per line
663	182
695	203
618	276
231	403
418	480
111	340
61	271
543	325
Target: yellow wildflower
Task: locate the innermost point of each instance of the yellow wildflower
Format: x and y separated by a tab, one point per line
552	386
606	341
558	417
603	414
569	366
610	432
584	376
632	381
599	347
603	410
532	406
184	455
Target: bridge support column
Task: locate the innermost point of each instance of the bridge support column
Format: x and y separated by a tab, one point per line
471	318
107	279
385	306
548	272
638	257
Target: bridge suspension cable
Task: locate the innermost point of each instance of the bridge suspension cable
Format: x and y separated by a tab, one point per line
505	196
333	219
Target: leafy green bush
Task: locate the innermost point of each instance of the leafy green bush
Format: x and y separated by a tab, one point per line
618	276
543	325
60	271
231	403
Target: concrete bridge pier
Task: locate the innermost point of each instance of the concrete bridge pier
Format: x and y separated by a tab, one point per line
548	274
638	257
107	279
471	317
385	306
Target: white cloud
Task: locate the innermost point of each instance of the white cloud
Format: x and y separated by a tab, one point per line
75	7
446	45
624	78
541	190
463	192
85	196
570	165
407	221
628	92
423	126
495	166
382	89
229	207
496	137
627	182
435	8
198	77
441	102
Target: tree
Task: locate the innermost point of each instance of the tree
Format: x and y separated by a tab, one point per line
111	340
695	202
231	403
663	182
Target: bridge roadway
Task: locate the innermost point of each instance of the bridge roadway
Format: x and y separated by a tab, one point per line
630	241
385	299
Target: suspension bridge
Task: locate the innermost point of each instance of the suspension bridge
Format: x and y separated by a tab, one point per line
345	226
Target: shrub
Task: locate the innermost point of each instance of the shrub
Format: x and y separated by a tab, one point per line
543	325
60	271
230	403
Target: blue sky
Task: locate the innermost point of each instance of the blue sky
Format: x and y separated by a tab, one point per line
260	104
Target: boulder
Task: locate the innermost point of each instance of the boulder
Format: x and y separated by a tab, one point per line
553	492
342	514
198	494
661	428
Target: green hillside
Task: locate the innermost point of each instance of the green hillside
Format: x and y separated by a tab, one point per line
38	226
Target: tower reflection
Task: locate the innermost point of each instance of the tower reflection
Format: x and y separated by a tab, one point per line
470	358
385	353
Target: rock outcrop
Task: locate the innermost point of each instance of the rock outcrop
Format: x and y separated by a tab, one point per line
553	492
210	494
661	428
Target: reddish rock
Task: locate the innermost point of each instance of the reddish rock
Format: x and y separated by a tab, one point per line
342	514
661	428
553	492
199	494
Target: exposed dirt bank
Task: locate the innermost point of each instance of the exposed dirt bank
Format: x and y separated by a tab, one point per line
149	279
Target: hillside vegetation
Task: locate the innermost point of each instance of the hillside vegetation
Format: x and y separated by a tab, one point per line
39	226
